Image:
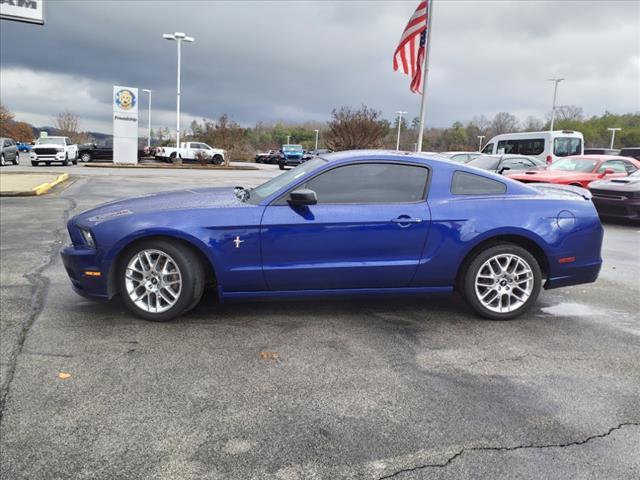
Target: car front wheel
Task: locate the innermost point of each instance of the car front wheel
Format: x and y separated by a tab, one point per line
85	157
2	161
502	282
160	280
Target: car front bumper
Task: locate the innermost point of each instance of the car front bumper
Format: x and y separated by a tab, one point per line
291	161
58	157
86	277
621	207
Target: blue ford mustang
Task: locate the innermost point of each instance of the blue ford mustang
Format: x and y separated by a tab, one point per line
359	222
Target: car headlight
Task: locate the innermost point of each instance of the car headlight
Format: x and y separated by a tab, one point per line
87	237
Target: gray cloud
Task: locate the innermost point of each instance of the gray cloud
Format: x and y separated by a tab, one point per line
269	61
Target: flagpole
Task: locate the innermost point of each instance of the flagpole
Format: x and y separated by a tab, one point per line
424	75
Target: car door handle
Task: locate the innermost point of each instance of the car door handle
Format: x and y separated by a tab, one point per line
406	220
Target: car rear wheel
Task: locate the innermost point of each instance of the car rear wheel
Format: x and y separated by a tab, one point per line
160	280
2	161
502	282
16	159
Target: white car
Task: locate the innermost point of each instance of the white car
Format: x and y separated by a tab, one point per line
192	151
54	149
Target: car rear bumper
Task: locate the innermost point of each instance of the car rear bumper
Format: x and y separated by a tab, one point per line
575	275
86	278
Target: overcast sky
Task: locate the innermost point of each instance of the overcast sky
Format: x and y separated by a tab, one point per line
296	61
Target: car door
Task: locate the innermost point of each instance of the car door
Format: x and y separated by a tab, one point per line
367	230
13	151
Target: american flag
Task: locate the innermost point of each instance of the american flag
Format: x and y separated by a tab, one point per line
411	50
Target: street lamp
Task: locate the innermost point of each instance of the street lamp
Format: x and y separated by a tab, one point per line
179	37
288	137
480	138
149	135
555	94
399	113
317	133
613	135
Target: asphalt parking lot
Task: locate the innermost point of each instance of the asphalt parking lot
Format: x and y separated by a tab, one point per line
403	388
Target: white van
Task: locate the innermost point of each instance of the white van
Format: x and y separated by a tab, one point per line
547	146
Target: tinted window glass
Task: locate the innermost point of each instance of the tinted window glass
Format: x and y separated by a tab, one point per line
370	183
615	165
485	163
464	183
516	164
488	148
565	146
577	164
528	146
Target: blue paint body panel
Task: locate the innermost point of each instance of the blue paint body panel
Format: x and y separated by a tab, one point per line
337	249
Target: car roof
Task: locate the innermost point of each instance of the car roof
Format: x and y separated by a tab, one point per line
599	157
384	155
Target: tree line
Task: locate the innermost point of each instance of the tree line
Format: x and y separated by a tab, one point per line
361	127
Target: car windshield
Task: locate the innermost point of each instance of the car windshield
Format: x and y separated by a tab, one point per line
256	195
485	163
50	141
292	148
584	165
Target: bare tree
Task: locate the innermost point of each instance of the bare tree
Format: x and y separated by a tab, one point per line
504	122
569	113
6	118
351	129
67	123
532	124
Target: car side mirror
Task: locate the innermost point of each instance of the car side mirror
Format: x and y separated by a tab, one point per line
503	169
302	196
607	171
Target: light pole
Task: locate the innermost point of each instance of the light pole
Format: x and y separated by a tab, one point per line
399	113
149	135
555	94
288	137
179	37
317	132
613	135
480	138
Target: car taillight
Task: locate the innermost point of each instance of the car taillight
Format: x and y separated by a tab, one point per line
549	159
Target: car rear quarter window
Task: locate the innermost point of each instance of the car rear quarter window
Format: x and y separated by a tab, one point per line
465	183
371	183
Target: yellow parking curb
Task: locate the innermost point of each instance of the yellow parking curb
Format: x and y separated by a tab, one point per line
45	187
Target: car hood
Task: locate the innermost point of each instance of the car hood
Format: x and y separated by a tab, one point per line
548	175
48	145
624	184
194	198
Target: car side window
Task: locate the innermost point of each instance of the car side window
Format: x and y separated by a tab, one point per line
629	167
515	164
370	183
488	148
615	165
465	183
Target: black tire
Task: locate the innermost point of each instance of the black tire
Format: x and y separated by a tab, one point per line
281	165
34	164
2	161
217	160
65	162
469	280
85	157
191	270
15	160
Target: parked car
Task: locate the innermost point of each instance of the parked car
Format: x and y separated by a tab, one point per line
291	155
581	170
618	197
88	152
547	146
190	152
8	152
24	147
506	163
349	223
308	155
267	157
54	149
633	152
461	157
601	151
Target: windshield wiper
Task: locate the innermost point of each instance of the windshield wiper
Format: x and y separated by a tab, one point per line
242	193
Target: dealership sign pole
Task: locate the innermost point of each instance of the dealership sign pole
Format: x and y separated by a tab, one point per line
125	125
28	11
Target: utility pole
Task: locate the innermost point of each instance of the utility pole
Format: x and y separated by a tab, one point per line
555	95
480	138
613	135
317	133
399	114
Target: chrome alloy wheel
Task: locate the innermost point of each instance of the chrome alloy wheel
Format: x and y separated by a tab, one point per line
153	281
504	283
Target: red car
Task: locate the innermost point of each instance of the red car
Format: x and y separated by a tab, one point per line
581	170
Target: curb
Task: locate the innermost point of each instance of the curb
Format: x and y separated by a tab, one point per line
169	167
38	190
